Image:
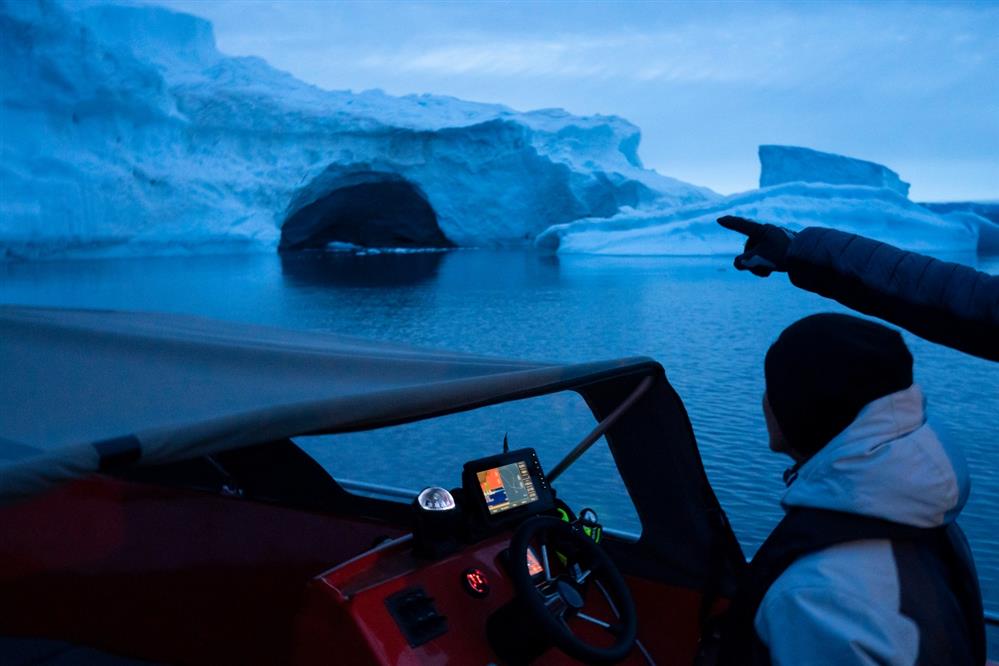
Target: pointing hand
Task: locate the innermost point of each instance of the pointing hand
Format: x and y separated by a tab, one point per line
766	245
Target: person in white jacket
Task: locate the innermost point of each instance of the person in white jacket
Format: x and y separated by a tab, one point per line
868	566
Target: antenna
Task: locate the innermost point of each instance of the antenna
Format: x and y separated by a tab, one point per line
506	444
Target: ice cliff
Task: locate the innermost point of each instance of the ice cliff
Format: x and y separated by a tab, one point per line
801	187
124	130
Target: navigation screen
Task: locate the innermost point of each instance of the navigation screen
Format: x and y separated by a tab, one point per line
506	487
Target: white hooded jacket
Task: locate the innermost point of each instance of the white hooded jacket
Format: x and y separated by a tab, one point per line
842	605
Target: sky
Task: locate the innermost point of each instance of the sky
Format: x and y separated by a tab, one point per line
912	85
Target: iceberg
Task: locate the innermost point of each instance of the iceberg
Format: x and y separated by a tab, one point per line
124	130
790	164
884	213
982	214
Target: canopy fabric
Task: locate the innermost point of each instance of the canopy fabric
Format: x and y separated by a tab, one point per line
81	387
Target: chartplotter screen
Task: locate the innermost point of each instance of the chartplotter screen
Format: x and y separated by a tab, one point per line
507	486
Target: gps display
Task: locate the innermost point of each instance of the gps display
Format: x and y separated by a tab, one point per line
507	487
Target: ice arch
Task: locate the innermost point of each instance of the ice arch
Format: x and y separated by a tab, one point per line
370	209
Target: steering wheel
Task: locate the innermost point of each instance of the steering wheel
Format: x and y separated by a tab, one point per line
571	562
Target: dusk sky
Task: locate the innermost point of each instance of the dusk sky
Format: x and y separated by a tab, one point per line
914	86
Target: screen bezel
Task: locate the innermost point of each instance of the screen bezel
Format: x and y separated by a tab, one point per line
473	491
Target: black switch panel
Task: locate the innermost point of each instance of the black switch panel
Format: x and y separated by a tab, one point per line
416	615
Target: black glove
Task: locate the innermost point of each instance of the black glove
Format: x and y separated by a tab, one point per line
766	245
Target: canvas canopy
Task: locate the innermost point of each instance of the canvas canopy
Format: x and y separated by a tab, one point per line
84	389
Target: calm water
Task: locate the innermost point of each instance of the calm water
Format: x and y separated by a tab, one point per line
707	324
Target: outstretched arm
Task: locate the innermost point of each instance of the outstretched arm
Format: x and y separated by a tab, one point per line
940	301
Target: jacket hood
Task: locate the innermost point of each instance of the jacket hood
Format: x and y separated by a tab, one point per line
888	463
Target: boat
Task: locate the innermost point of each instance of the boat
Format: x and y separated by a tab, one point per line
155	507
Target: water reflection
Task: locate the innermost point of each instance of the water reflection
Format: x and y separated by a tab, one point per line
451	270
348	269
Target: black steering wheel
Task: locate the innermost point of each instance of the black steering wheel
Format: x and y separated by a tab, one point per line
571	564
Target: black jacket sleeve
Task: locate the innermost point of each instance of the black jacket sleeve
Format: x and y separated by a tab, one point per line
944	302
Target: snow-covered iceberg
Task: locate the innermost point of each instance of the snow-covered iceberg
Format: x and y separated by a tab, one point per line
881	212
124	130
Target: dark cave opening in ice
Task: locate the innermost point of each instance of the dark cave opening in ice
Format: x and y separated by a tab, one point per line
383	211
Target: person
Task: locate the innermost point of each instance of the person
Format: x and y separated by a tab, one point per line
868	565
940	301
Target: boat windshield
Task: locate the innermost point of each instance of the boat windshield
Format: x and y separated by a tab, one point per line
409	457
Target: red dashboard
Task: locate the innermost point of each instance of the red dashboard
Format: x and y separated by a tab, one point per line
177	576
346	611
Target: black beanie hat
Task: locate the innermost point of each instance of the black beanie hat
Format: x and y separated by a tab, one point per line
824	369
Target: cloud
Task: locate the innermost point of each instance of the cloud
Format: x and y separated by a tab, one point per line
568	58
668	57
780	48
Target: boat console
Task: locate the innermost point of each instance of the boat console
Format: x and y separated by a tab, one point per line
496	568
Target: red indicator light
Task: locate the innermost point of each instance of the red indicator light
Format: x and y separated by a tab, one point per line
475	582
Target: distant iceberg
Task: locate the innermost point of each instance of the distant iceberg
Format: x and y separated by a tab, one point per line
981	214
125	131
791	164
828	190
